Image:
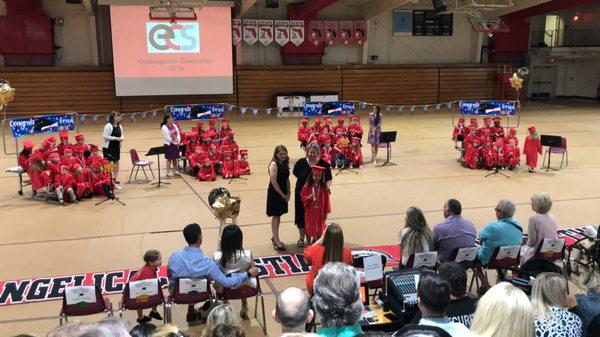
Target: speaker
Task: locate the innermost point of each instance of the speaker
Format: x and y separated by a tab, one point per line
439	5
272	3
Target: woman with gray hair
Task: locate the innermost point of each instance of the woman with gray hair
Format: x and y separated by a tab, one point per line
548	298
336	298
542	225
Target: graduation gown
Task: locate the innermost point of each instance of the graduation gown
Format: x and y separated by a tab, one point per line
206	173
242	167
531	149
228	169
459	130
354	155
513	156
83	183
315	212
99	179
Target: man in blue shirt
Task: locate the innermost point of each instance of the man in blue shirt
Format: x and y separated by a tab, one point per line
506	231
454	232
191	262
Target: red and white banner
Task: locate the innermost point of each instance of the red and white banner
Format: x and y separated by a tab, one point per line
346	28
282	32
360	32
236	31
316	32
250	31
331	32
297	32
265	31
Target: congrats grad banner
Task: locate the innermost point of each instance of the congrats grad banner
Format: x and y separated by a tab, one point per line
41	124
487	108
328	108
183	112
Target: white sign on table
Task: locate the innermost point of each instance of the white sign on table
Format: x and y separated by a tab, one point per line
428	259
552	245
143	288
188	285
373	267
510	252
80	294
466	254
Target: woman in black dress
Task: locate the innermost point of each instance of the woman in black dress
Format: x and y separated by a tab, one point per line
111	147
278	193
302	169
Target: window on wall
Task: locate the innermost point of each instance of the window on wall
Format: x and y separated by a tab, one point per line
554	30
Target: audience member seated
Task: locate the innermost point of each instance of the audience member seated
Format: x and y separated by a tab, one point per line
461	307
504	311
143	330
420	331
433	295
415	237
454	232
69	329
506	231
153	261
191	262
548	297
234	258
336	299
586	305
541	226
226	330
292	312
221	314
169	330
108	327
328	248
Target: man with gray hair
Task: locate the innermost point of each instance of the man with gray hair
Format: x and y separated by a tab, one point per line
69	329
293	311
336	299
108	327
505	231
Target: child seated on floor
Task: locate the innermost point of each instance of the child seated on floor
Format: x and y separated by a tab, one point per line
228	166
153	260
207	172
64	183
242	166
101	180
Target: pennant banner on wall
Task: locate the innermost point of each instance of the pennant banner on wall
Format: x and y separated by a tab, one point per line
250	31
236	31
346	28
331	32
265	31
297	32
282	32
316	32
360	31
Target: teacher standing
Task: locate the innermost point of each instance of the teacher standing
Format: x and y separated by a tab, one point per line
302	169
375	118
171	139
113	137
278	194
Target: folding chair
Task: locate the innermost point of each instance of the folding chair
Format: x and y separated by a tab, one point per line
504	257
559	150
418	260
246	291
83	301
465	256
138	163
144	294
191	291
553	250
359	263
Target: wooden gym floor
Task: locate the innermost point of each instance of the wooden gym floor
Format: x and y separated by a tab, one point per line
41	239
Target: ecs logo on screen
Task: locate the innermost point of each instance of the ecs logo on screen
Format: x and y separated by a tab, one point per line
176	38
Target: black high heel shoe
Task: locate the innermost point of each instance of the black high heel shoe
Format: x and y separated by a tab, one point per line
276	247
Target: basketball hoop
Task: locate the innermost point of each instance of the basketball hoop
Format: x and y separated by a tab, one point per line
175	10
488	25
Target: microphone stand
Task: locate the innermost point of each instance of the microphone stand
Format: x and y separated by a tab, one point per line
496	169
234	177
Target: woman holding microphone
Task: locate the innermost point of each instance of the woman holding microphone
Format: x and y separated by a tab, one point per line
111	147
171	139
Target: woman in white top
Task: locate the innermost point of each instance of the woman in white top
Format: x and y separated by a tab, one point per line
233	258
171	139
416	236
113	136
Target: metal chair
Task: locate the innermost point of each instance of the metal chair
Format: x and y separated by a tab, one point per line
138	163
359	263
559	150
553	250
149	295
83	301
465	256
246	291
190	291
504	257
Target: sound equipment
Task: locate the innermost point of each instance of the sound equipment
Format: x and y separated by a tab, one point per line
400	291
439	5
272	3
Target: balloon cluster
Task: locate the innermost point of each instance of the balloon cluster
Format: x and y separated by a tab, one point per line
516	81
7	93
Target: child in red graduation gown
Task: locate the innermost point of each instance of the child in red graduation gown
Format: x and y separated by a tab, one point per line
64	183
500	153
195	160
94	155
64	142
317	127
327	151
25	154
80	144
35	171
190	143
532	148
497	130
470	137
471	157
242	166
512	134
101	180
207	172
354	153
230	143
68	158
327	129
513	154
52	168
354	129
225	129
48	145
153	261
228	166
460	130
315	198
304	132
487	154
83	181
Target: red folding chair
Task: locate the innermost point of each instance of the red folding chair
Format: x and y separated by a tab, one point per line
465	256
504	257
359	263
418	260
149	295
83	301
246	291
553	250
191	291
137	164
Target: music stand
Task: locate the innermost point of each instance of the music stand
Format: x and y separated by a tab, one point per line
388	137
550	141
157	151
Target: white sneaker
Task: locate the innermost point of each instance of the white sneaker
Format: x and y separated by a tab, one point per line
117	187
170	174
176	173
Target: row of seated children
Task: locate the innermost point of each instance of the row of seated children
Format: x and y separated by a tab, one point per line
70	171
211	152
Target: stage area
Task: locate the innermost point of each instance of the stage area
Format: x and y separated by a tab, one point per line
42	239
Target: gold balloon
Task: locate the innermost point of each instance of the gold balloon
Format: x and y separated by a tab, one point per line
516	82
226	207
7	94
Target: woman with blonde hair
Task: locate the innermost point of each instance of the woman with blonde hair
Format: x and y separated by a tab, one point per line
548	297
504	311
416	236
222	313
541	226
586	305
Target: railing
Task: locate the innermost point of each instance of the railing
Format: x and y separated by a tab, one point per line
566	38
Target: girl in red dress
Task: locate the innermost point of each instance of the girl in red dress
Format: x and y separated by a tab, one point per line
315	197
153	261
532	148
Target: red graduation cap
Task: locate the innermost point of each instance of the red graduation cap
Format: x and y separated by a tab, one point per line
354	118
200	125
317	169
225	122
512	132
63	134
341	120
243	152
327	119
79	137
191	135
473	121
318	121
531	128
486	130
496	120
206	160
212	121
93	147
53	155
75	167
461	120
96	164
64	167
48	141
304	120
27	144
